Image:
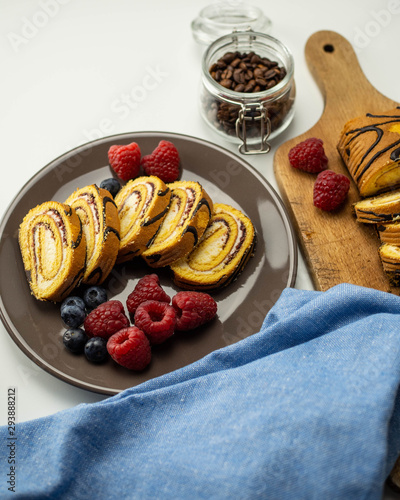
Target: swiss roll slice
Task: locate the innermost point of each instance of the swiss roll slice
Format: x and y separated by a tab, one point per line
187	218
53	248
221	254
98	213
142	206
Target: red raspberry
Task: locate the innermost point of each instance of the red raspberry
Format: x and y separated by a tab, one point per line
309	156
147	288
106	319
125	160
130	348
156	319
163	162
193	309
330	190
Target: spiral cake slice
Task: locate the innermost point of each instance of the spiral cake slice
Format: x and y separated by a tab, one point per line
142	206
390	258
98	213
382	208
221	254
370	148
389	233
188	215
53	248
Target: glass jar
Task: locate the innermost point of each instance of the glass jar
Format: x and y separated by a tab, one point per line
222	18
249	118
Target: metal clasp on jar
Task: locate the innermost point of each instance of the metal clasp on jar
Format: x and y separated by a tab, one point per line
251	113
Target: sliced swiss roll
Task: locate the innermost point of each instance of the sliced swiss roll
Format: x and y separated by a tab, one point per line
99	216
370	148
187	218
142	206
389	233
381	208
390	258
221	254
53	248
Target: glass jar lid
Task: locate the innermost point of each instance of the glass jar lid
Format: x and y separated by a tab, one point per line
222	18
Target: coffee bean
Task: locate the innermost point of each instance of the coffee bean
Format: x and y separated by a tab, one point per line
235	62
228	57
238	75
262	82
226	83
226	74
250	86
269	74
213	68
221	64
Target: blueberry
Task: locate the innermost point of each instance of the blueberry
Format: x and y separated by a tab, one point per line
73	311
73	300
96	350
112	185
75	339
94	296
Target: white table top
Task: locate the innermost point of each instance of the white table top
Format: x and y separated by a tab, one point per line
67	64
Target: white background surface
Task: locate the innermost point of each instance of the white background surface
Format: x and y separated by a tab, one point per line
67	65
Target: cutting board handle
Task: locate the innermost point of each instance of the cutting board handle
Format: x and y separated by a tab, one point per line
335	67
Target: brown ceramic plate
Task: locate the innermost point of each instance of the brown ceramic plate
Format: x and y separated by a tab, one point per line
36	327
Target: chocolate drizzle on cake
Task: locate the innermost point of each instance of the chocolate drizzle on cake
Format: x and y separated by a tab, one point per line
193	230
154	258
77	242
156	218
395	155
379	133
376	217
370	148
203	202
95	276
376	128
163	193
76	281
109	229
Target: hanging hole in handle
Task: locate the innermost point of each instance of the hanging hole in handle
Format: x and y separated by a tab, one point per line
328	47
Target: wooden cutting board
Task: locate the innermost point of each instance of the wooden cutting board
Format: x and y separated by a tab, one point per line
336	248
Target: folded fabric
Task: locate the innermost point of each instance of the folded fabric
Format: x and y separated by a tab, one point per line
305	409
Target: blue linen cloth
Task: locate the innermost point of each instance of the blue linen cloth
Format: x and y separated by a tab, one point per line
305	409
